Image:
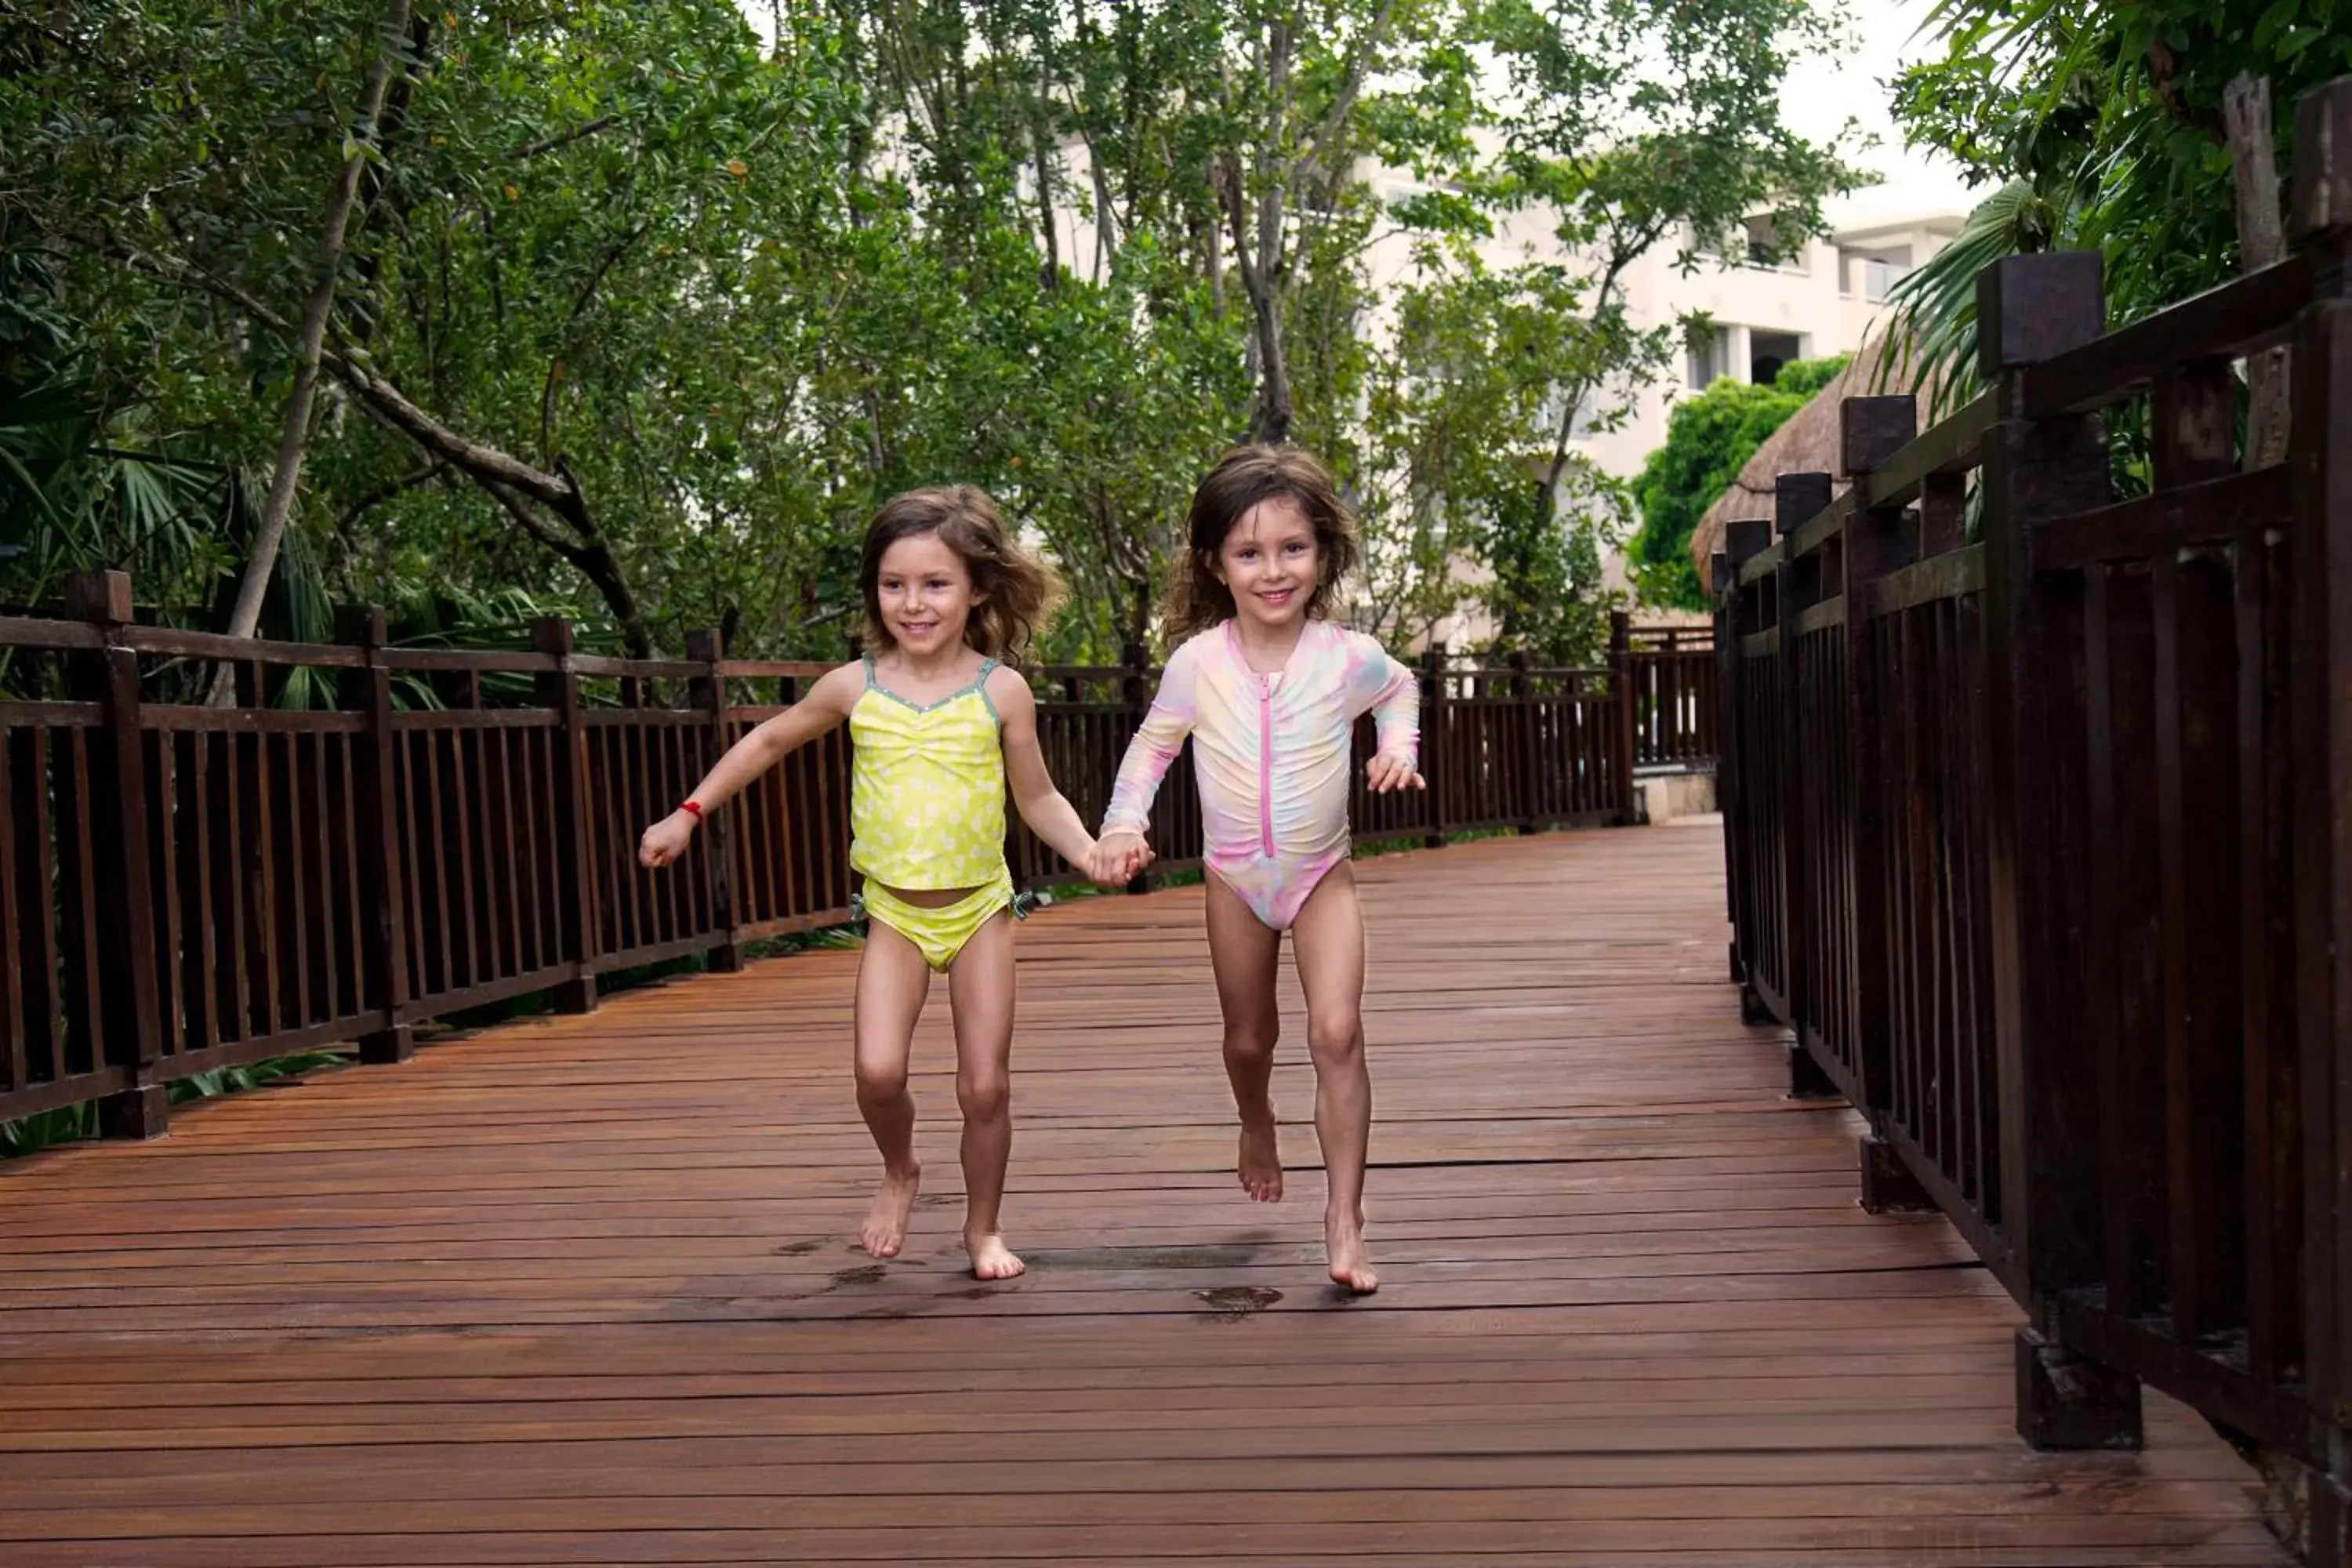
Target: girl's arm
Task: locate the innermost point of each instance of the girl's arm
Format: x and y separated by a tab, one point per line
1157	740
1127	822
1386	690
1049	815
827	704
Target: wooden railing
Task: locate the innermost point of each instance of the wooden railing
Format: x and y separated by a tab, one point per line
185	887
1673	674
2040	845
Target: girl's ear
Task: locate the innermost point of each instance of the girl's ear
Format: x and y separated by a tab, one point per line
1215	565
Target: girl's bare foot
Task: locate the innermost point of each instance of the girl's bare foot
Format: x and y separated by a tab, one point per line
1261	1161
1351	1261
885	1230
991	1258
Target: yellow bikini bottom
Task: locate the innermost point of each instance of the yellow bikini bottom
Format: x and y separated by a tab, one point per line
939	934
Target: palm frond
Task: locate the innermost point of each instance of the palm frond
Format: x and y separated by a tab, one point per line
1930	344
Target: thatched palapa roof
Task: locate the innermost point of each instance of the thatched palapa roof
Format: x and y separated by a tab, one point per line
1807	443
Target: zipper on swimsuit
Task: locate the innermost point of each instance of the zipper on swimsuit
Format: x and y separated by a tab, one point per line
1265	764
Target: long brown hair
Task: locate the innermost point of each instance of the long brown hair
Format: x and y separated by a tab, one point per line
1014	590
1244	478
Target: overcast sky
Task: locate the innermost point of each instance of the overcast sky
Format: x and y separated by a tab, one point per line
1818	99
1820	95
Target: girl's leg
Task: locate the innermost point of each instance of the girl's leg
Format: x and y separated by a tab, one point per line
981	985
892	982
1243	952
1327	946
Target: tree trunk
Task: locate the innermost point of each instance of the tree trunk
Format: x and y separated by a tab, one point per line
1213	258
1270	422
587	552
1603	297
521	489
1288	161
245	616
603	568
1105	216
2262	242
1260	256
377	198
1043	155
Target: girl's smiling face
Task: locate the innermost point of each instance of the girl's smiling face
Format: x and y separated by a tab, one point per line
925	592
1270	563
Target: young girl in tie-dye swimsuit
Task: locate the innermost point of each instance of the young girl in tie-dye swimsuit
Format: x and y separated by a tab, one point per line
1269	693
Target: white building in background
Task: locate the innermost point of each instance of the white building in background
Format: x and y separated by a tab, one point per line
1827	299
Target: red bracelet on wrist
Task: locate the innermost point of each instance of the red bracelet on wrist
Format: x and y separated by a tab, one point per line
693	808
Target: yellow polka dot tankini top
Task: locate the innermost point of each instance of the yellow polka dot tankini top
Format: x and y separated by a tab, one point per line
927	788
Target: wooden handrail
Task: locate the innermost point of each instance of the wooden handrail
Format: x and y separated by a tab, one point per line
2036	844
312	876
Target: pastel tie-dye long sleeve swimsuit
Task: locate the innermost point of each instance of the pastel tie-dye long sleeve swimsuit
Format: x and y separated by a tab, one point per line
1271	755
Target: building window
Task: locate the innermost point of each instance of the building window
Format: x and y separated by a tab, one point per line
1710	359
1767	352
1588	417
1872	273
1770	249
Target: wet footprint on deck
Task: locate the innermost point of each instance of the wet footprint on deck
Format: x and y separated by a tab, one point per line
1239	1301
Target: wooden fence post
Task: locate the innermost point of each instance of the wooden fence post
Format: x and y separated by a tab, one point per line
1529	748
1797	500
2319	553
1878	543
382	936
1433	742
1620	677
575	873
129	1031
2029	308
1744	539
1135	691
1723	584
708	691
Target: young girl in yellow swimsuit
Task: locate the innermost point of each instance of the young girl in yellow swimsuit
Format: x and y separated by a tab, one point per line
937	727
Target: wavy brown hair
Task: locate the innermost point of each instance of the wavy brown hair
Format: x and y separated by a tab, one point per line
1013	590
1243	478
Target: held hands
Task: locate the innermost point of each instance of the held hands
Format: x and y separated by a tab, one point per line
665	840
1390	772
1118	858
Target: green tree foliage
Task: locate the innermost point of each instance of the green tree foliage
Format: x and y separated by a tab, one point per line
2097	126
1709	438
1457	404
1636	127
637	312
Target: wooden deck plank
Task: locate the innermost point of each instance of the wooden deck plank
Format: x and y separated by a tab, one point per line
578	1291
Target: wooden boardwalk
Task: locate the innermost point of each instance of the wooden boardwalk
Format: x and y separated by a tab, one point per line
578	1291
